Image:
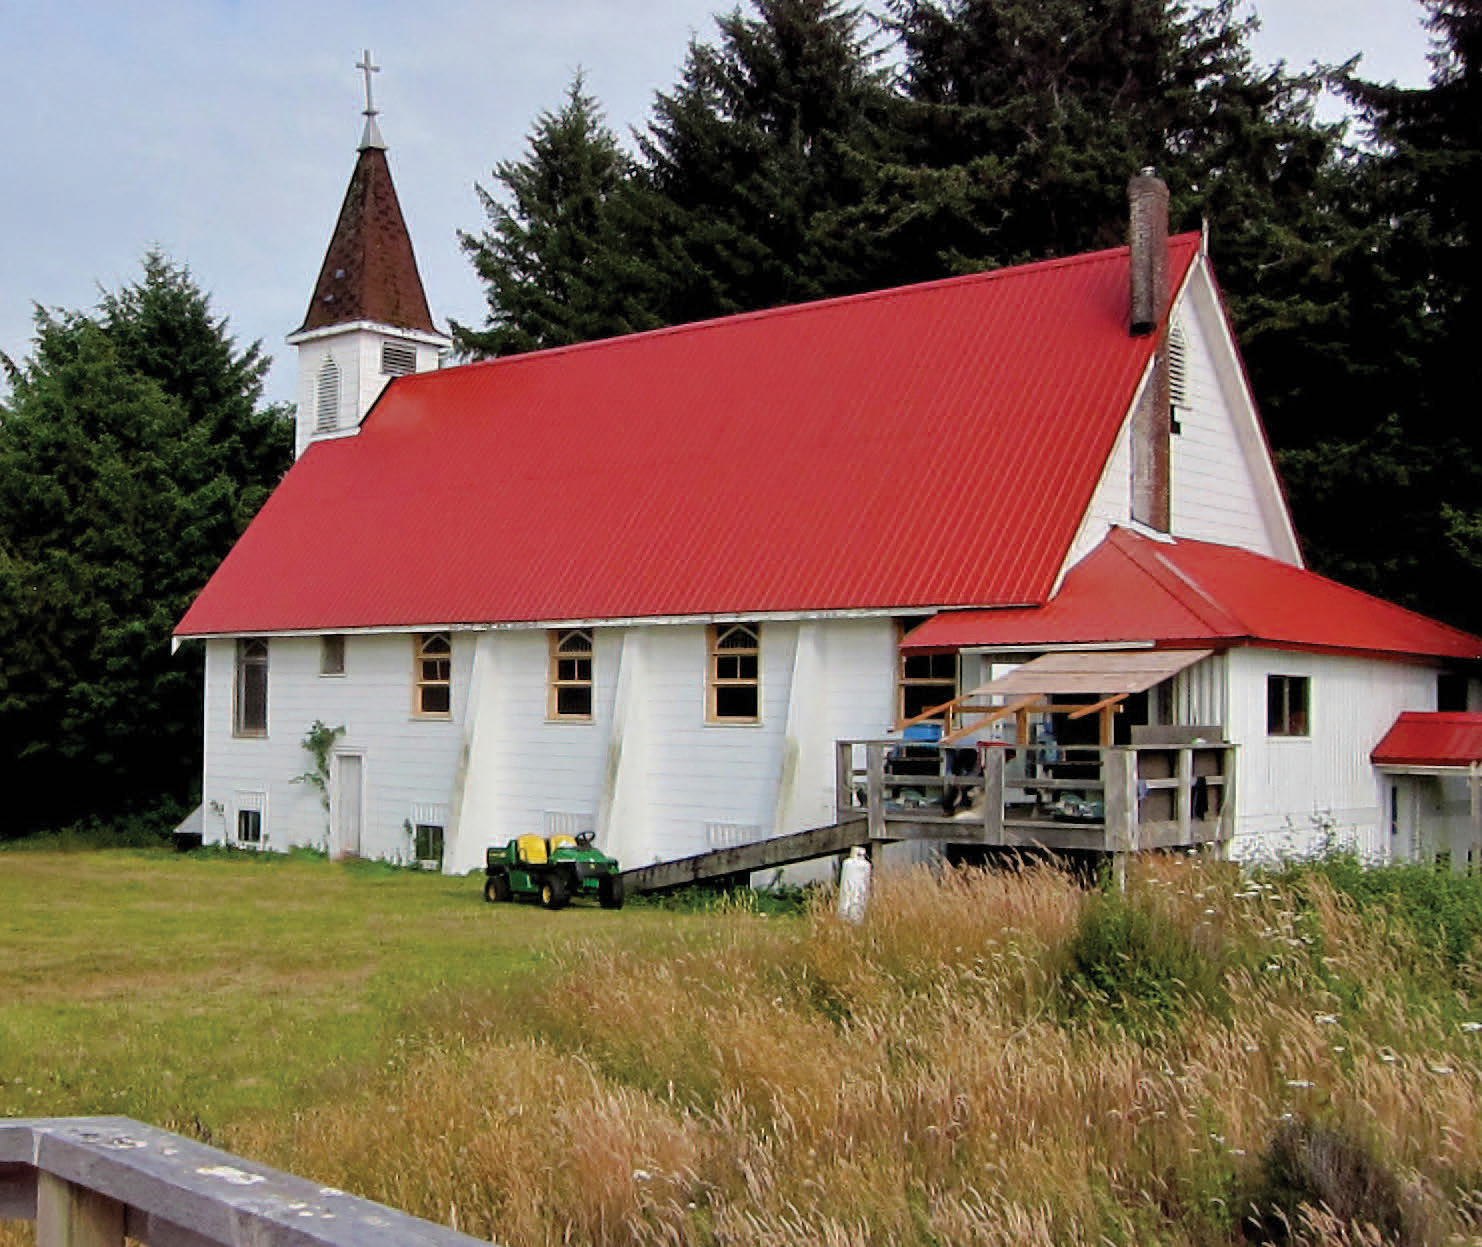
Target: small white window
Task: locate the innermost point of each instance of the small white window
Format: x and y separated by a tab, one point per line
332	654
248	832
1288	705
398	359
327	397
429	846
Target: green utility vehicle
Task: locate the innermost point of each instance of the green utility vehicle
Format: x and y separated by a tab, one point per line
553	871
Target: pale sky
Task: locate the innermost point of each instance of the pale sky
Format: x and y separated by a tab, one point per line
224	131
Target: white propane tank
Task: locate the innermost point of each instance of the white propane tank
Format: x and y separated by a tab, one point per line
854	886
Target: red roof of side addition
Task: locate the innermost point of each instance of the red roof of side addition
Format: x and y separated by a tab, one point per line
935	445
1133	589
1420	738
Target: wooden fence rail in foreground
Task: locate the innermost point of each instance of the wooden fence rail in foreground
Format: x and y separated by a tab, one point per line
94	1181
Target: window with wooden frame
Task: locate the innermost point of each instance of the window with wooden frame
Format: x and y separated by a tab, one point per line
735	684
571	674
433	696
250	699
924	681
332	654
1287	705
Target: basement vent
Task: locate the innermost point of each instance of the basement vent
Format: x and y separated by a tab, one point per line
558	823
430	812
327	397
398	359
729	835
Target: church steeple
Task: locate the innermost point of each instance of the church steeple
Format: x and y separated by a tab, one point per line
368	319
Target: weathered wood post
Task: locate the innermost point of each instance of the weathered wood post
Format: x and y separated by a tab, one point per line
875	771
1185	792
73	1216
843	780
1119	795
993	766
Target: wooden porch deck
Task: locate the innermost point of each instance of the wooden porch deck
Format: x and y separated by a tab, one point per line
1113	800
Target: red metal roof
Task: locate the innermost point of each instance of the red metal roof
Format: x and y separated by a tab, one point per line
1180	594
1429	738
370	270
930	446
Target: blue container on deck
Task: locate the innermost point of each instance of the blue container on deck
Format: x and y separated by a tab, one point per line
928	733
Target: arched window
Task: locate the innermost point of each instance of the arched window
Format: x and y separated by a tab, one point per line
735	673
571	674
434	675
251	708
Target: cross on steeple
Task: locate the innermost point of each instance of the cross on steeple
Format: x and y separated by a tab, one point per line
372	136
370	68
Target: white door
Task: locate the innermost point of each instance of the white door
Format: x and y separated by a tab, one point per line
347	805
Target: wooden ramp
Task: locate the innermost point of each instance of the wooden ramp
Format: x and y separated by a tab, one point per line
720	865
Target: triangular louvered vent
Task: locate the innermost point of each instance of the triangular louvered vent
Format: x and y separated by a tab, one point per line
1178	366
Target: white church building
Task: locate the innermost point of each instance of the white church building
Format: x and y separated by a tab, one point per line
644	585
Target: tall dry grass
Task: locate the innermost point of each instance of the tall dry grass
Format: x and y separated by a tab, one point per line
989	1058
939	1074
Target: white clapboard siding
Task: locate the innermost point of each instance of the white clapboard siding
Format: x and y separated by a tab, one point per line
407	760
1294	791
657	780
1223	484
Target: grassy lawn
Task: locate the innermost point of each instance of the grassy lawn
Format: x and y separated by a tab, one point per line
198	991
1206	1060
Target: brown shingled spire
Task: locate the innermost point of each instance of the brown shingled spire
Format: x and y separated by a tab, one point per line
370	272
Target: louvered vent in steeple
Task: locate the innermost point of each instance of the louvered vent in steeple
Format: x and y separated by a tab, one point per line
327	397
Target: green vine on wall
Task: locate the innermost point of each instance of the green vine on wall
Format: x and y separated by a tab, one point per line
318	743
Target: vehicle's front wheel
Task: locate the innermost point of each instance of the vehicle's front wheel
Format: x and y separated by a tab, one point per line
554	894
610	891
496	888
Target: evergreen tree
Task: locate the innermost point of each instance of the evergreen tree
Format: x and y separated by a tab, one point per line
550	256
133	450
753	162
1043	109
1385	485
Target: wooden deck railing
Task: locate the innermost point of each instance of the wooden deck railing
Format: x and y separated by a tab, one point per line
1117	799
95	1181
